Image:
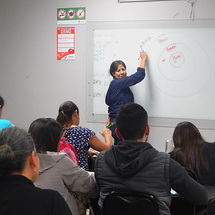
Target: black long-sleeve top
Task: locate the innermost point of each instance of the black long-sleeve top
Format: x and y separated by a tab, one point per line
18	195
186	186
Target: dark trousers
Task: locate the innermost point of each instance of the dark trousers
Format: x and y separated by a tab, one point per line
113	128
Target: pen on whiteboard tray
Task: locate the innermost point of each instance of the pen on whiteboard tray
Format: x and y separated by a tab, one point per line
110	125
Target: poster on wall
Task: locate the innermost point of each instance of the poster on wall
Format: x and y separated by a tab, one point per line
65	43
71	15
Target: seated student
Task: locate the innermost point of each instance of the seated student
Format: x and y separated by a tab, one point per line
194	153
133	165
19	168
81	138
3	122
57	170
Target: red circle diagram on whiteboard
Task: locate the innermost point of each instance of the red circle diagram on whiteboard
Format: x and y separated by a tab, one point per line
61	14
174	67
80	13
71	14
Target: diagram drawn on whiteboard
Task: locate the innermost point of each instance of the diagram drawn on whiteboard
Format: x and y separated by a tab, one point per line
173	65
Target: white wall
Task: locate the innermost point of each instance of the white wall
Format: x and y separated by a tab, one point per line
33	83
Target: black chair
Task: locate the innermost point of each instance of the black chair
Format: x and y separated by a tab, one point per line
180	206
129	204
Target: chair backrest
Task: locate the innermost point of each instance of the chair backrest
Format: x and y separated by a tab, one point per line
180	206
129	204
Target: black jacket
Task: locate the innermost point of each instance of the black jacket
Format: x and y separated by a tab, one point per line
138	167
18	195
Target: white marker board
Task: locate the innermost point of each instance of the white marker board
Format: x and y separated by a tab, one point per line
180	71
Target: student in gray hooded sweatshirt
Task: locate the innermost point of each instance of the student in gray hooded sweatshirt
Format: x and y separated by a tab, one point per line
57	170
134	165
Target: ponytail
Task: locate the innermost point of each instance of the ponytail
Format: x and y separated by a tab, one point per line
65	113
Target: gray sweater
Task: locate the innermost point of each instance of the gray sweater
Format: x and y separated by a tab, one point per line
58	172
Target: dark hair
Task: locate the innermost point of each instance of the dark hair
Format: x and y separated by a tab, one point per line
65	112
131	121
15	146
1	102
189	147
46	133
114	66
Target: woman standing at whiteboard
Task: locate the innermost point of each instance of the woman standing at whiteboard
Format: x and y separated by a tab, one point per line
119	92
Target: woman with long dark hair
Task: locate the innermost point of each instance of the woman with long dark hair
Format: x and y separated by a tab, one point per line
193	152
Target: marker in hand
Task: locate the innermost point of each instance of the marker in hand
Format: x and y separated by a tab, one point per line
110	125
139	56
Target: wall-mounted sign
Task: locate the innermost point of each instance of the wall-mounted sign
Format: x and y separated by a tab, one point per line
65	43
71	15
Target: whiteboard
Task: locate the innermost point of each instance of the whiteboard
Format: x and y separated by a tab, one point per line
180	71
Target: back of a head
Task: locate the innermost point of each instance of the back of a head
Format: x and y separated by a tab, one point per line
46	133
186	135
15	146
1	105
1	102
189	144
65	112
131	121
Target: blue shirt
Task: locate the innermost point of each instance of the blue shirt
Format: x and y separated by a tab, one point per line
119	92
79	137
5	123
